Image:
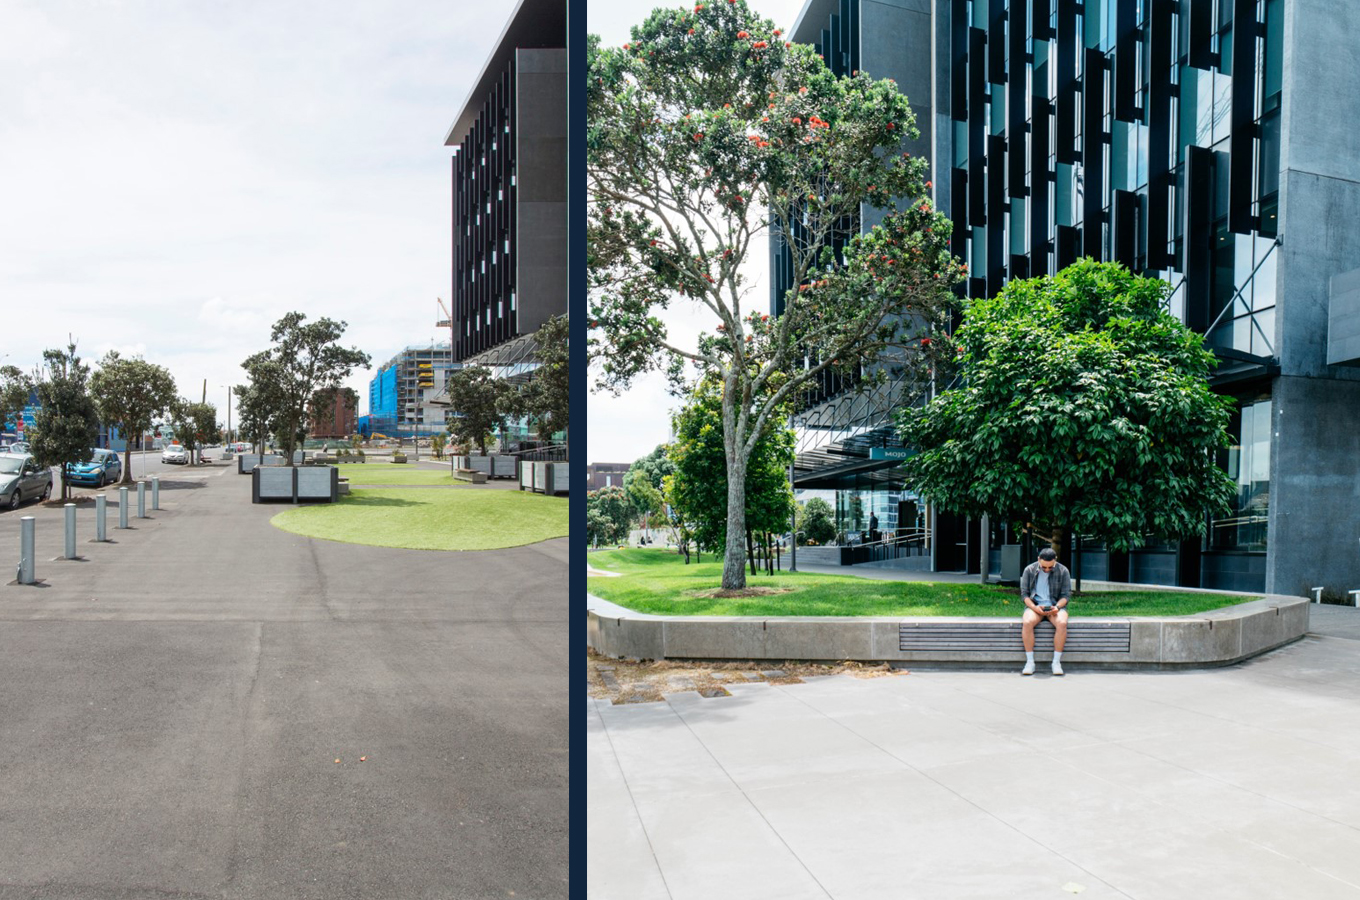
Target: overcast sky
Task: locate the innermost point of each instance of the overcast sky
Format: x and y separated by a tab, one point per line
621	429
175	175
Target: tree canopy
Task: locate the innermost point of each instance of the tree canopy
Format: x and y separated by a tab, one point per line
15	389
699	488
66	425
195	424
818	522
546	396
477	399
608	516
705	131
130	394
1084	404
304	358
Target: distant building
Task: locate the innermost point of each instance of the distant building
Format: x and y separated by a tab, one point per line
334	413
400	395
603	475
510	193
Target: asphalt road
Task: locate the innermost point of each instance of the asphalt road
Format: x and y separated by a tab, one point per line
172	708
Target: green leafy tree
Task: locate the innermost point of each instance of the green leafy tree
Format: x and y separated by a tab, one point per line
819	521
15	389
305	357
699	486
195	424
479	401
546	396
66	425
437	445
255	410
1084	405
655	466
706	130
681	528
608	516
130	395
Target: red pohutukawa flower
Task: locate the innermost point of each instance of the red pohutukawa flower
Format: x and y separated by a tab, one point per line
743	34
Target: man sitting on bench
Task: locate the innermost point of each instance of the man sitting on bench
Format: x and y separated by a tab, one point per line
1046	588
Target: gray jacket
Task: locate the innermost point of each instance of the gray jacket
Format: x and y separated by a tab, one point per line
1059	582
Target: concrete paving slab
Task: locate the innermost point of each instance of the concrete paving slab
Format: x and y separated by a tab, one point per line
1226	782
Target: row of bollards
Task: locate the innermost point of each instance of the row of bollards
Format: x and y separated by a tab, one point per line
28	526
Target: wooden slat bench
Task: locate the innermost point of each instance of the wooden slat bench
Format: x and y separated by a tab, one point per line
1088	637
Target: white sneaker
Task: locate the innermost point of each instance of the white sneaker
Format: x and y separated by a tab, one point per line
1057	667
1028	669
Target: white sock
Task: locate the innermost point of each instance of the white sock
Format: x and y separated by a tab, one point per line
1029	657
1057	656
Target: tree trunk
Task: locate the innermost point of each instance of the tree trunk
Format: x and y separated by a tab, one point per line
734	559
751	551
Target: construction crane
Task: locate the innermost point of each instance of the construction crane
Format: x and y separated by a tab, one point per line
446	322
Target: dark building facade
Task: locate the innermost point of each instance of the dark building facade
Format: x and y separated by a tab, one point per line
1185	140
510	191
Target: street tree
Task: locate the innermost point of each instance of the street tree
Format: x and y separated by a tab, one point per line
15	389
708	130
608	516
1083	405
818	522
304	358
699	487
195	424
478	401
66	425
546	396
252	413
131	394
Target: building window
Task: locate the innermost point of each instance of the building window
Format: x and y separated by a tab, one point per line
1247	463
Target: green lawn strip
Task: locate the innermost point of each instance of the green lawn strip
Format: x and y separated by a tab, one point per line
390	474
659	582
431	519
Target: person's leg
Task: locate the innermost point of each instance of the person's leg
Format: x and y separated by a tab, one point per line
1059	639
1027	623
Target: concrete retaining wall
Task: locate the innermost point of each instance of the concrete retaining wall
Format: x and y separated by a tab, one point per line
1216	638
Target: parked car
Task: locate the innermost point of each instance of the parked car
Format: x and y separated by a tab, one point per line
21	478
175	453
103	468
20	447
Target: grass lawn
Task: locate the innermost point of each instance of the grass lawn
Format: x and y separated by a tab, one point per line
431	519
387	473
659	582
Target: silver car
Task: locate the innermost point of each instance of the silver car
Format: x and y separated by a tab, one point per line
21	478
175	453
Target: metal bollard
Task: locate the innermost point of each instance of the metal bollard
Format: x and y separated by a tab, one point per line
155	492
70	531
101	512
26	550
122	507
141	499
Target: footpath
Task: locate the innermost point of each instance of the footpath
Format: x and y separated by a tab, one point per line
1232	782
209	707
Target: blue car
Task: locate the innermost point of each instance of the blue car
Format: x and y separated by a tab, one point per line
103	468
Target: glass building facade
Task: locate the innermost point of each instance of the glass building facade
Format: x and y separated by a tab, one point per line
1147	132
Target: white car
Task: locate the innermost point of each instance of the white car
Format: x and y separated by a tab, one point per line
175	453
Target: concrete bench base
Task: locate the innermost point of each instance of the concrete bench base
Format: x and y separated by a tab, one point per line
1217	638
470	475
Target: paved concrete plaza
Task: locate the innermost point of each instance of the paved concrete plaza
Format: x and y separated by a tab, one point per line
173	708
1240	782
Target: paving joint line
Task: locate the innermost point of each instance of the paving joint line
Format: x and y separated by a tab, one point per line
614	753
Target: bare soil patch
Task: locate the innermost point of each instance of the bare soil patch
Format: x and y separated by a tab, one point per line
648	681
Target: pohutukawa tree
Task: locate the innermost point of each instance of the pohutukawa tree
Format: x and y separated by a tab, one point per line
130	394
704	131
1084	405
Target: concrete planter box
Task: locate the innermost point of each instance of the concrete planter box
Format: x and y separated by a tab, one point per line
246	462
1217	638
545	477
287	484
497	466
